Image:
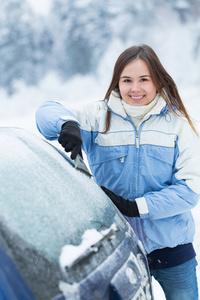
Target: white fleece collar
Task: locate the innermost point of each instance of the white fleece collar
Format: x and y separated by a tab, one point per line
115	104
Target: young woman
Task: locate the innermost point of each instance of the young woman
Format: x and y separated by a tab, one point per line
144	151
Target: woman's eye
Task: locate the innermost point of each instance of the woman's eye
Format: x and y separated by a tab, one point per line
127	80
144	79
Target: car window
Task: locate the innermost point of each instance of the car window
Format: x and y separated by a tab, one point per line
50	202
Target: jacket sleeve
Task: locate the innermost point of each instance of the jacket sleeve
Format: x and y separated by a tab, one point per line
51	115
49	119
183	194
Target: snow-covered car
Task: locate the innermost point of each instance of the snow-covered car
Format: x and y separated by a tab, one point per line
60	230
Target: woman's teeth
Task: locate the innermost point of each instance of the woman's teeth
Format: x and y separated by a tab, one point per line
138	97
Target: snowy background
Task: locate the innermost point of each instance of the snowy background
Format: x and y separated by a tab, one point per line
65	50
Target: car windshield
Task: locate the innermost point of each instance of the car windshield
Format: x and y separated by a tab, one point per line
43	198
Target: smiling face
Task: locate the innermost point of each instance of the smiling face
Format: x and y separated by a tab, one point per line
135	84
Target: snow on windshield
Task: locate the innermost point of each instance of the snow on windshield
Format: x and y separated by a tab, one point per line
43	198
71	253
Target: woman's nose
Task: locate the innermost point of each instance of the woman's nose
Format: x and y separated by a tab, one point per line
135	87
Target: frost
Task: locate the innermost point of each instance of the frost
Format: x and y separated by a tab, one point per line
132	276
70	290
57	201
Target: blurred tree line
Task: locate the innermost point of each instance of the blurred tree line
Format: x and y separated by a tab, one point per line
74	36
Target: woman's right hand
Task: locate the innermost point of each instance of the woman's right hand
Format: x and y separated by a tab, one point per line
70	138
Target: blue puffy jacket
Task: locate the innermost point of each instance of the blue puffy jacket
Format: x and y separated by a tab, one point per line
158	166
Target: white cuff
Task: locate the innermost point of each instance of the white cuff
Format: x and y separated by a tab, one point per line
69	118
142	205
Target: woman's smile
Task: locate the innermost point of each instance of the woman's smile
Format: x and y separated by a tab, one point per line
137	98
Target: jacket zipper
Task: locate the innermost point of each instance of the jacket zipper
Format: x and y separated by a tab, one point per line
137	141
137	162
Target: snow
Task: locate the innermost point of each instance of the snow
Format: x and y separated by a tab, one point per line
40	7
70	253
71	290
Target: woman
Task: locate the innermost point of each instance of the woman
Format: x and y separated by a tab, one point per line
144	151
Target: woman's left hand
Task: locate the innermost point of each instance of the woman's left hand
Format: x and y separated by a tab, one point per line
125	206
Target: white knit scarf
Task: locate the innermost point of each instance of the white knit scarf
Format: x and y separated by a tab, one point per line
138	113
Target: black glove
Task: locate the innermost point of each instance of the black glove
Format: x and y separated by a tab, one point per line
126	207
70	138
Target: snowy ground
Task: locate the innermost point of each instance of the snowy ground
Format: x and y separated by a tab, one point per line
19	111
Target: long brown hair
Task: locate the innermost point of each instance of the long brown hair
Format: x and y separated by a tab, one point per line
163	82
